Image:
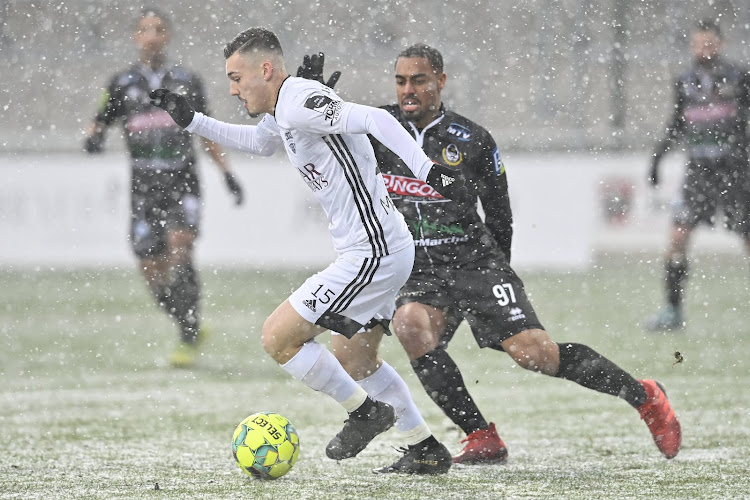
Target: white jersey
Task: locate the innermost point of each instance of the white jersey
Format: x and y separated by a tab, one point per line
325	139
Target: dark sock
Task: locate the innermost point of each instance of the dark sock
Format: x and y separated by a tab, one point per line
160	291
586	367
426	444
443	382
676	274
366	410
184	297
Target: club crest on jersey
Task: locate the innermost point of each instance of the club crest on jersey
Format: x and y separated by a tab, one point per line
460	132
290	141
452	155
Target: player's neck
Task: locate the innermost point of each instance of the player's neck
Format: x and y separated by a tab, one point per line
708	62
427	120
279	80
153	61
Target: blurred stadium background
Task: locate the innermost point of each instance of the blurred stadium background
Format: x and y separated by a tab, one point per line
539	74
574	92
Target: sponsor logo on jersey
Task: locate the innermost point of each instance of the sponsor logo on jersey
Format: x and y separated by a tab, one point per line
409	186
427	229
290	141
312	177
710	112
333	110
499	165
415	293
460	132
325	105
310	304
452	155
516	313
436	242
318	102
155	119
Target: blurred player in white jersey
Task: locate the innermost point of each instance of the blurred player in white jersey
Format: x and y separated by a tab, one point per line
326	140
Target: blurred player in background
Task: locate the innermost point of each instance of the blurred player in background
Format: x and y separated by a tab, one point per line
165	190
325	140
711	110
462	271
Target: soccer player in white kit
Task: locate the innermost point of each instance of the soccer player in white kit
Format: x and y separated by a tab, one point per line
325	139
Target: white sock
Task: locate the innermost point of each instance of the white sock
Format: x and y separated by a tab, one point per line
386	385
321	371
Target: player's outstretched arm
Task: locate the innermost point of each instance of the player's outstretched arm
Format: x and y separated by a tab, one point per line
262	140
661	149
386	129
94	142
312	69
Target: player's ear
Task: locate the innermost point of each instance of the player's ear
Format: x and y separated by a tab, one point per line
441	81
267	70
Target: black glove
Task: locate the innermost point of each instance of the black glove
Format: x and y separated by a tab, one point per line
234	187
312	69
661	149
94	143
653	174
176	105
448	182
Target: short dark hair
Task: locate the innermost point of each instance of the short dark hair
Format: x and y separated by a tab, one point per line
708	25
253	39
426	52
154	12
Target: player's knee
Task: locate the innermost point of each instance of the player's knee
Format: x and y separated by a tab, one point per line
273	343
407	319
413	328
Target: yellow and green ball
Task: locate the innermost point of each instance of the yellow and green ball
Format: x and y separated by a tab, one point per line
265	445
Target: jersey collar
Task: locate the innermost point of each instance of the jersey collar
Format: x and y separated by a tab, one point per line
278	94
419	135
155	77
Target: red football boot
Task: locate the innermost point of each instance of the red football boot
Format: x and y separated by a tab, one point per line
661	419
482	447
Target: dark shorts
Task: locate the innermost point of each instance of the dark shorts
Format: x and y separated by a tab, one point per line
715	191
491	298
160	204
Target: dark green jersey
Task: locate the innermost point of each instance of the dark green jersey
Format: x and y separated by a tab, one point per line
160	150
447	232
711	111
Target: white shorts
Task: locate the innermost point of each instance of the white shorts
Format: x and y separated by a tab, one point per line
354	293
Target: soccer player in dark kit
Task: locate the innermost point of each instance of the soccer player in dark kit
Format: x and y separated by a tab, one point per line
711	110
165	190
462	271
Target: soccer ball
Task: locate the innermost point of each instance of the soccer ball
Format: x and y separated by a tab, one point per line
265	445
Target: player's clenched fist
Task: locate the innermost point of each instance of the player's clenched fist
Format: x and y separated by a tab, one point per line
448	182
176	105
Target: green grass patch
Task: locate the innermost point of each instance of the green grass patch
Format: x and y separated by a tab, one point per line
90	409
